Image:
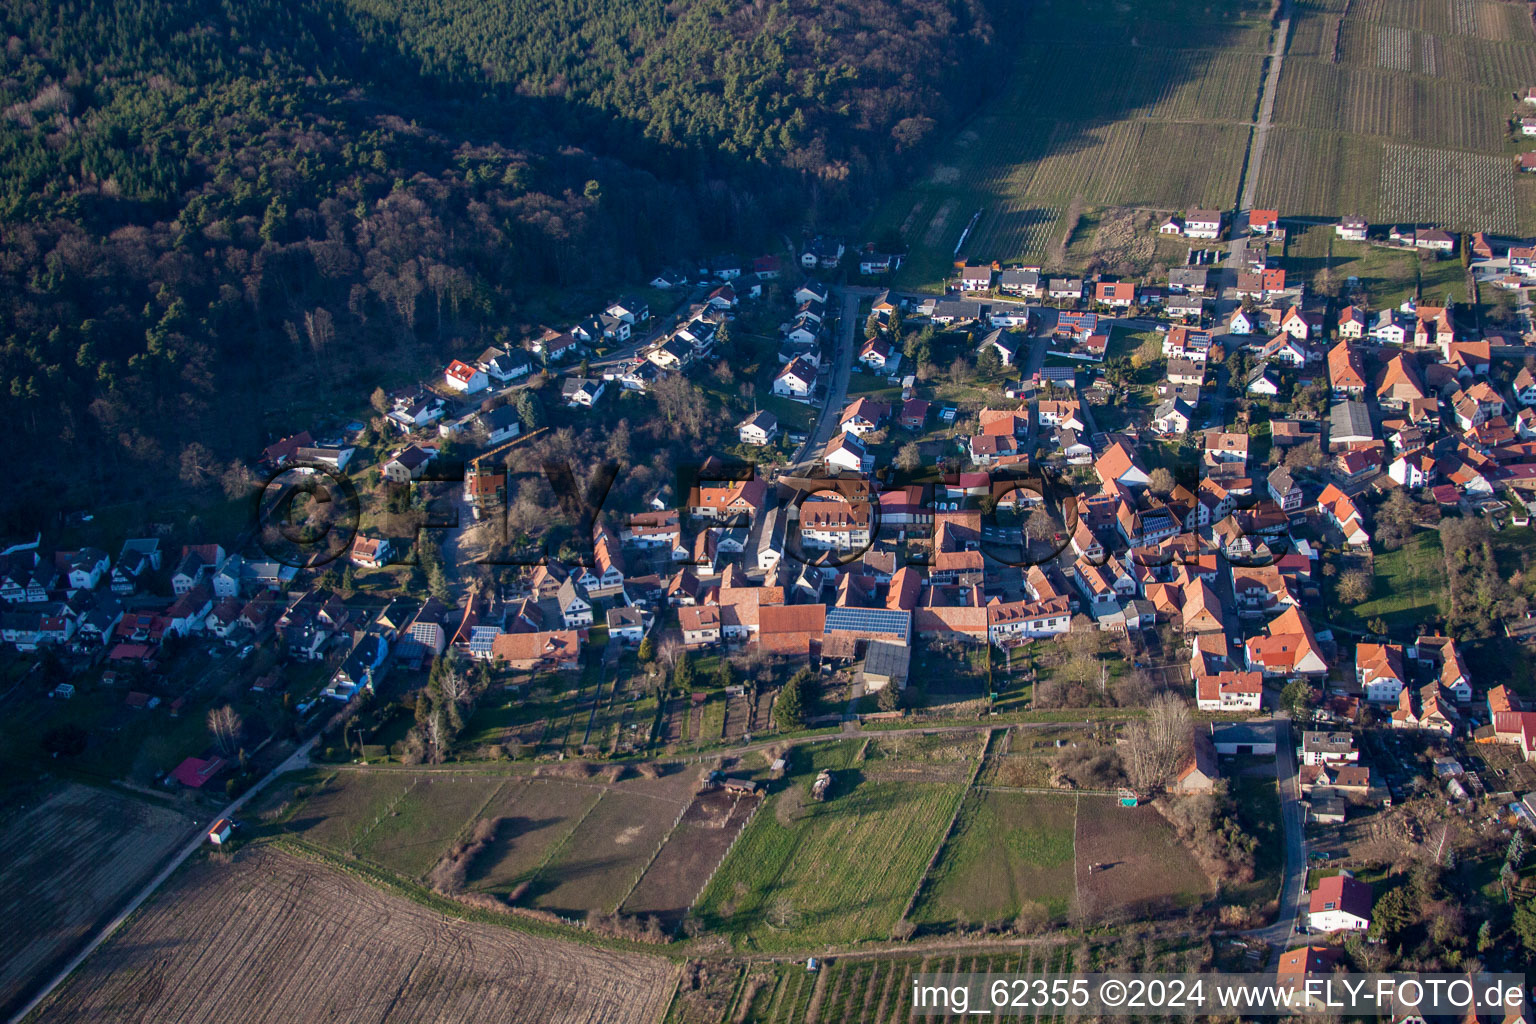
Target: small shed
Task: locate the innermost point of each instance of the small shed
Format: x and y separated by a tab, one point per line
63	691
736	784
218	832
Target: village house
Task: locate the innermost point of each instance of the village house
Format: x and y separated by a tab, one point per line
1202	224
796	380
1340	903
761	428
1353	229
1287	648
462	377
407	464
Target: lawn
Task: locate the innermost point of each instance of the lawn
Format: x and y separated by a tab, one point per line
1258	811
604	856
1410	584
532	819
1008	850
425	821
1388	275
840	871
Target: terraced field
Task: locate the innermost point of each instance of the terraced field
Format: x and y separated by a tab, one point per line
1106	104
1398	110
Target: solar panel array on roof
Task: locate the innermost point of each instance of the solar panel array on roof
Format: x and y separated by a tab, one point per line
481	639
869	620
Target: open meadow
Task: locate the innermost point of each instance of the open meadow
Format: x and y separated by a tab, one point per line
266	937
68	862
843	870
1009	850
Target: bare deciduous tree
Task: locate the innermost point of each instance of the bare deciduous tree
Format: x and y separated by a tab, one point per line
1156	746
225	723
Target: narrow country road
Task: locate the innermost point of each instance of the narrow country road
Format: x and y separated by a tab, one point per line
1282	36
837	383
298	759
1282	933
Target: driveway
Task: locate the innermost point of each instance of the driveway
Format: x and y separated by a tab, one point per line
1282	933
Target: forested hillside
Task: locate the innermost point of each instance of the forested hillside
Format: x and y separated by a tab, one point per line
209	207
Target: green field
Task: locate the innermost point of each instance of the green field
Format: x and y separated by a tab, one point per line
1009	849
1410	584
425	821
1388	276
842	871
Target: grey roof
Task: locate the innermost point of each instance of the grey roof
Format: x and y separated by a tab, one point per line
1349	419
1006	340
1280	480
1188	277
1026	277
1328	742
573	385
883	658
762	419
1240	732
569	592
621	617
500	418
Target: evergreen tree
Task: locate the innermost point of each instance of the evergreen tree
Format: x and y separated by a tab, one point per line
682	672
789	708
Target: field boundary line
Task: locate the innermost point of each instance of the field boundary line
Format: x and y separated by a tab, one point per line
619	906
566	839
716	869
949	830
1077	886
1046	790
415	780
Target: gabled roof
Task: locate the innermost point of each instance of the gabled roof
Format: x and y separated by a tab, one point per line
1340	892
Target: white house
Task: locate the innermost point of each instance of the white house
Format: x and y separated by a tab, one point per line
1387	330
1379	671
581	391
796	380
460	376
1351	228
845	452
1340	903
758	429
1203	224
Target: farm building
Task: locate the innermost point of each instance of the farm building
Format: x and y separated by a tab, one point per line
885	663
194	772
218	832
1242	738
